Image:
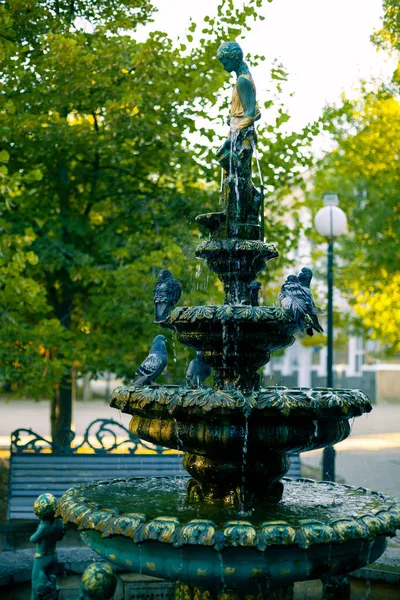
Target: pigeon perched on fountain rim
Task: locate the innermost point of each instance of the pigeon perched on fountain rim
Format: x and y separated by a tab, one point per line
167	292
154	364
297	297
198	371
305	277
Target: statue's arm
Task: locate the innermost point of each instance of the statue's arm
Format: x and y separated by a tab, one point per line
37	536
247	97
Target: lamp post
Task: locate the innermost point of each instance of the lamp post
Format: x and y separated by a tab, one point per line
330	221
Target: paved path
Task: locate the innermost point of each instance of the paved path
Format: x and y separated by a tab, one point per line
370	457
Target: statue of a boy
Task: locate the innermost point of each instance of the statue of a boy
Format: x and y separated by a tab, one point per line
240	199
244	109
45	566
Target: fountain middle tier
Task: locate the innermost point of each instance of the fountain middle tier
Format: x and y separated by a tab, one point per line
236	443
235	340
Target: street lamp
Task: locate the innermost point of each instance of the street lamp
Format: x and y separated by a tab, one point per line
330	221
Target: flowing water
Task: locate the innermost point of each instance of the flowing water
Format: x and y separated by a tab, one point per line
174	339
178	438
233	148
258	162
244	462
225	344
221	562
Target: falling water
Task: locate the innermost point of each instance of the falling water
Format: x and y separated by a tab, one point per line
233	140
258	162
178	437
315	423
222	570
225	342
174	345
244	463
140	558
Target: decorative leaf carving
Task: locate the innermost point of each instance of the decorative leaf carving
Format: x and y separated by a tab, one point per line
383	519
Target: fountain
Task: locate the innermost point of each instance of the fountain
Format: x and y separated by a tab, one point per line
236	526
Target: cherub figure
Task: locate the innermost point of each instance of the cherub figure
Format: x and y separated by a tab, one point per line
45	566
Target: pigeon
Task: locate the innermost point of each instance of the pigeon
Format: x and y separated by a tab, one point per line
305	277
197	372
167	292
154	364
255	288
298	299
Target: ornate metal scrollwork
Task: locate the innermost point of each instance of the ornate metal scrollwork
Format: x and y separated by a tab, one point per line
102	436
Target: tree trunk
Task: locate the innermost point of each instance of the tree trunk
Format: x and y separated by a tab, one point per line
61	410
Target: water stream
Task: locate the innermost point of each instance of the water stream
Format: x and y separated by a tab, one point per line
221	562
244	463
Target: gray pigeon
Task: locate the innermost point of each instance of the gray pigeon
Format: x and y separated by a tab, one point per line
197	372
167	292
305	277
154	364
255	288
298	299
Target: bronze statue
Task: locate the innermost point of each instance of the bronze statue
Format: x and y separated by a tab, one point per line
244	109
45	565
241	200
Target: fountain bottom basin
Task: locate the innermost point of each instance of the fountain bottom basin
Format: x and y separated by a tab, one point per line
147	526
235	568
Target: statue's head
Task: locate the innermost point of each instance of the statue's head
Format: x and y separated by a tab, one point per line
230	55
45	507
98	581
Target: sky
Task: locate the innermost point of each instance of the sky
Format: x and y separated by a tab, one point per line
323	44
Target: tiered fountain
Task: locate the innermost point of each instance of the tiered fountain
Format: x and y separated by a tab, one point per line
235	525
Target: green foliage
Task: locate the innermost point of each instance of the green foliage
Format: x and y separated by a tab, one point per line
105	176
364	170
389	35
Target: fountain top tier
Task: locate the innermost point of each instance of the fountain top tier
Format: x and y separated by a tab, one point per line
236	251
236	339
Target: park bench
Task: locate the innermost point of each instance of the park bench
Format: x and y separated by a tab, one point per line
38	465
108	449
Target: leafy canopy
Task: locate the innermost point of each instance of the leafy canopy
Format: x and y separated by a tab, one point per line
104	177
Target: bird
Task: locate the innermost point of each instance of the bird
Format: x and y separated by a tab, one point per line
198	371
254	289
299	300
305	277
154	364
167	292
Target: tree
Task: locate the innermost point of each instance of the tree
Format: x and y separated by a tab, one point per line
105	125
364	170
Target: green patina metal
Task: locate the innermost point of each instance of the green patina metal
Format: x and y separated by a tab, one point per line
342	513
45	565
98	583
315	403
236	528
